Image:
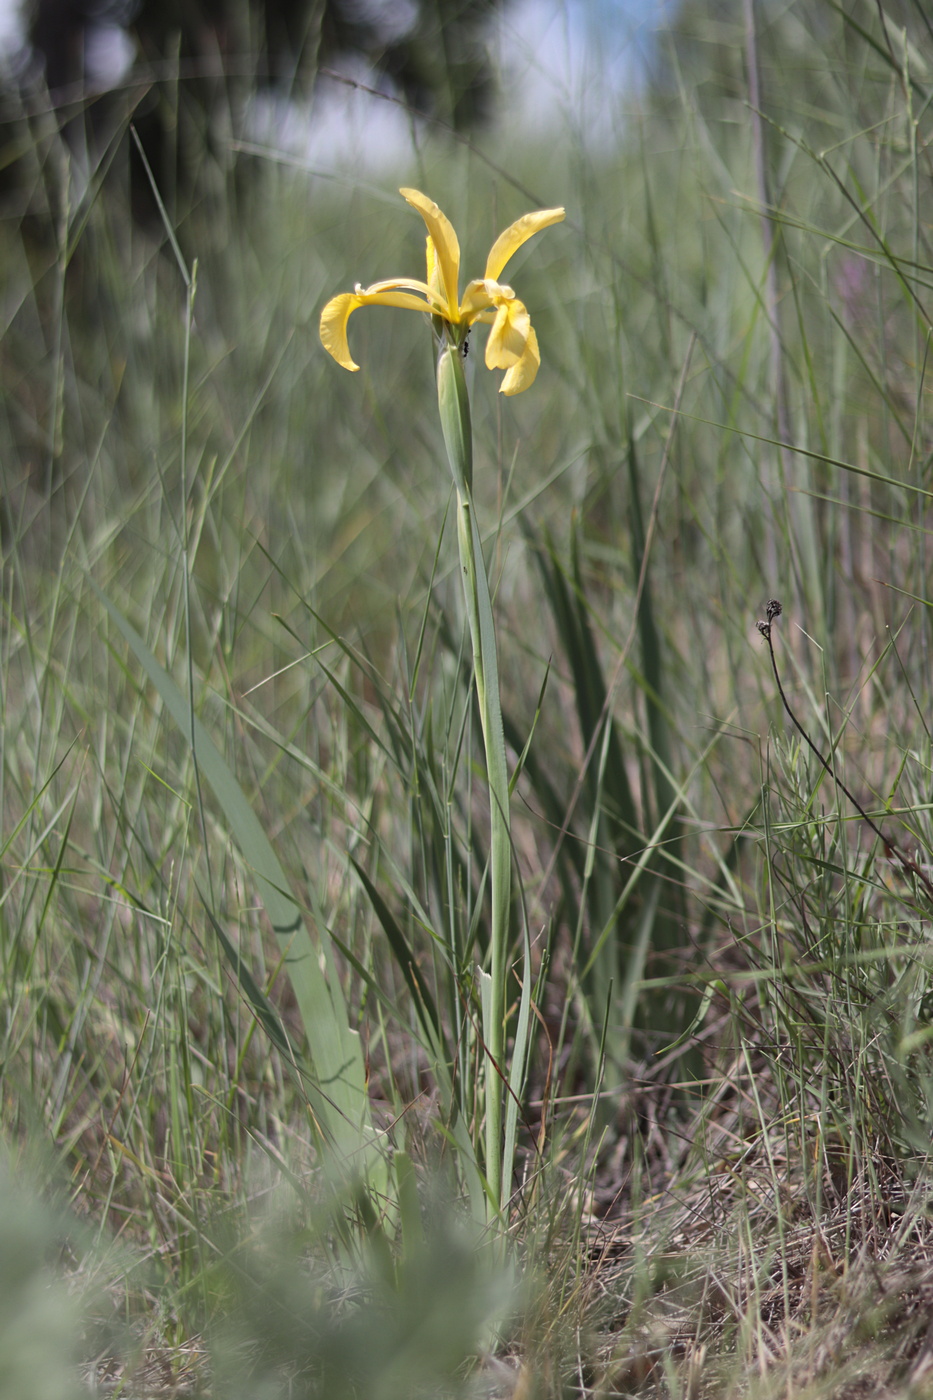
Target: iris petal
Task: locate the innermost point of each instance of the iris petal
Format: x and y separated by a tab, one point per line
333	328
509	242
446	248
509	335
339	309
478	297
521	376
402	284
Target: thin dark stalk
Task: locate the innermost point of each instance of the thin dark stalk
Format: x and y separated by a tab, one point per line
891	850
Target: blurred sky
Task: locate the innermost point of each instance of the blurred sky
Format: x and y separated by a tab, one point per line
561	61
10	28
577	61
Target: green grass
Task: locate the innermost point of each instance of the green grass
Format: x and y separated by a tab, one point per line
723	1174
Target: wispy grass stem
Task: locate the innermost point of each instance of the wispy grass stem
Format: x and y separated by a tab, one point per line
891	850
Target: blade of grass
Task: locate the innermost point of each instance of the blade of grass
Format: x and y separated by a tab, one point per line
342	1103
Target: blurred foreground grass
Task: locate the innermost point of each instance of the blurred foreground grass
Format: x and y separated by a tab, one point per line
726	1135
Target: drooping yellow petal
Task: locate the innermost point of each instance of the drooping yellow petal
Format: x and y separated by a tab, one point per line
509	335
402	286
403	299
522	375
446	249
515	235
333	328
512	343
337	312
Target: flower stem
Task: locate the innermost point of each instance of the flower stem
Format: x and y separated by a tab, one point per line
454	405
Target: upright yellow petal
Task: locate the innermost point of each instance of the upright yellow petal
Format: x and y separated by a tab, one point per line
446	249
509	242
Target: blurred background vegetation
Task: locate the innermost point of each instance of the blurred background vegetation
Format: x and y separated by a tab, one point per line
723	1184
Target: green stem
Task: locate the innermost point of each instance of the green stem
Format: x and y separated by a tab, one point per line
454	405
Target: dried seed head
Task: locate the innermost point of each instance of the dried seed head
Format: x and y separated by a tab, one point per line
764	628
773	609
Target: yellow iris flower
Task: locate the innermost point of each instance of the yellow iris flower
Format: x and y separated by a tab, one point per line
512	344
